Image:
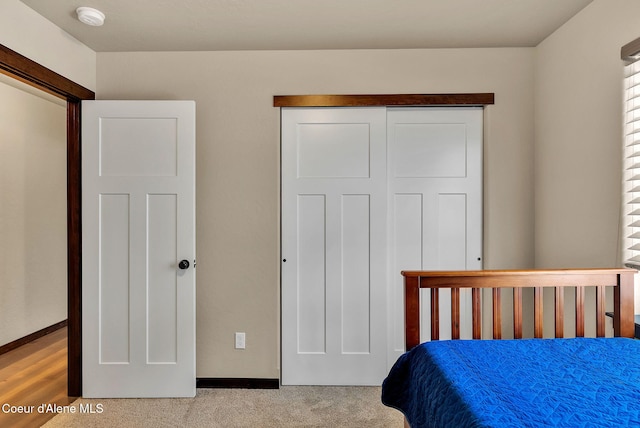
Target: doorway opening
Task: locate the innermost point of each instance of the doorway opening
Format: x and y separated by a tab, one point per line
23	69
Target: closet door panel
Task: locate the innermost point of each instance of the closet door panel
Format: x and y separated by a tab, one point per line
434	172
334	243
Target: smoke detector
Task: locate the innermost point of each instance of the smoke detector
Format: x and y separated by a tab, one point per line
90	16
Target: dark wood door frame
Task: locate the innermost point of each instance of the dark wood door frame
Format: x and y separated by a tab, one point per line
22	68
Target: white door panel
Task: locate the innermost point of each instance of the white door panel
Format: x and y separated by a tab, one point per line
435	207
333	240
138	175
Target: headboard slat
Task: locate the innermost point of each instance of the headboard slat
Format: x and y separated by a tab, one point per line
497	314
600	311
559	315
579	311
455	313
517	313
476	314
537	312
435	314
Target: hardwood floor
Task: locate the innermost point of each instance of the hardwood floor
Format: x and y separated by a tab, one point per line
31	375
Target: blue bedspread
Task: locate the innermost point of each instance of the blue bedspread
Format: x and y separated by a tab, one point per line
579	382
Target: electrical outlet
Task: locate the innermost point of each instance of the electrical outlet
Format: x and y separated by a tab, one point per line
240	341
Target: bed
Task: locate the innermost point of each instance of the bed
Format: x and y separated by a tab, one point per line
581	381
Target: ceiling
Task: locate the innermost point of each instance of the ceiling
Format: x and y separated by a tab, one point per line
206	25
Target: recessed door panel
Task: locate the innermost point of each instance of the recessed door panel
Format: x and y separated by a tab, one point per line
356	270
333	150
430	150
452	231
114	279
312	283
162	283
406	253
129	146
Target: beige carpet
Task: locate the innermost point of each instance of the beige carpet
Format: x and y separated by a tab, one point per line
289	406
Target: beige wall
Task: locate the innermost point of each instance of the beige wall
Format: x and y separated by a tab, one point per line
578	142
28	33
238	175
33	213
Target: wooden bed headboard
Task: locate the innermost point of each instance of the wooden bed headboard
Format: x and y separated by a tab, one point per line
620	279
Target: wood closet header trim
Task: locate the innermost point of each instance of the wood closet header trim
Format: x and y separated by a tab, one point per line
383	100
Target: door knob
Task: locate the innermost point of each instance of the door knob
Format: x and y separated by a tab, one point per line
184	264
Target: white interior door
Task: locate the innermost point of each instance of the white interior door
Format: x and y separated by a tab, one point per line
435	207
138	224
334	244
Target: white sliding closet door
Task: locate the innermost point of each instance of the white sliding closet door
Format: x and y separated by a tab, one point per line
435	207
334	244
366	193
